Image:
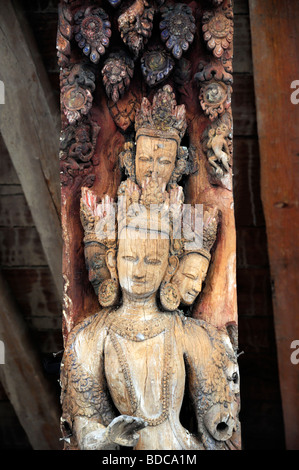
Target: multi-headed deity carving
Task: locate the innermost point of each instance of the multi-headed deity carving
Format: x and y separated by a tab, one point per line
150	247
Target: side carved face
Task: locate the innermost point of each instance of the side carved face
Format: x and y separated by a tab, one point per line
96	264
155	157
190	276
142	265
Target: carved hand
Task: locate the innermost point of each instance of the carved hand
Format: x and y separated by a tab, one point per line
123	430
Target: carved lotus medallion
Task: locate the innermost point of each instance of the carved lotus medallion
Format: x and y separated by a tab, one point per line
92	32
156	66
177	28
218	31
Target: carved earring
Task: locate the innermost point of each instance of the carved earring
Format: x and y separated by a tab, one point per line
169	295
109	291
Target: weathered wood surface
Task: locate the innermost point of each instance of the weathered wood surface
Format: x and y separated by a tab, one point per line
275	33
29	126
23	379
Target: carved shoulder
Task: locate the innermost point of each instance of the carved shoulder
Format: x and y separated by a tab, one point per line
83	384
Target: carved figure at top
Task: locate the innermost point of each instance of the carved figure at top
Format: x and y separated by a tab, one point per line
125	400
159	126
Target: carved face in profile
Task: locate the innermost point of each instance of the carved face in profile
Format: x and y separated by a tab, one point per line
190	276
141	265
96	264
155	157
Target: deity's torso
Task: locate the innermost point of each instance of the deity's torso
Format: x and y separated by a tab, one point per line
145	372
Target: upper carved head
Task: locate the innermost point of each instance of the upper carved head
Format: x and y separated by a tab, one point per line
159	127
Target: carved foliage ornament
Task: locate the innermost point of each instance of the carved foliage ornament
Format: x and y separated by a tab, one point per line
92	32
117	73
177	28
77	85
135	25
218	30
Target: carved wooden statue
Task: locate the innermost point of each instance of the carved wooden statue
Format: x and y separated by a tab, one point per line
150	358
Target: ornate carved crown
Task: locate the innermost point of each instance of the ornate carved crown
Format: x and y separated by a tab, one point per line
147	209
98	219
163	117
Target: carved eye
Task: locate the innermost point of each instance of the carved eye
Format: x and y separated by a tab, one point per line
152	261
190	276
145	159
235	378
164	162
131	259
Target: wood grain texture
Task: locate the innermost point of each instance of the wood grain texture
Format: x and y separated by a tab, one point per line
29	129
275	33
23	379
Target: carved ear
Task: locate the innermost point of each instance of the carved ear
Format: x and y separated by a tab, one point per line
111	263
173	264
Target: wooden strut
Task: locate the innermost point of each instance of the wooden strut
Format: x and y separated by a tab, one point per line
275	33
23	378
29	124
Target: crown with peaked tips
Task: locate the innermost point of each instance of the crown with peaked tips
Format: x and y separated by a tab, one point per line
147	209
163	117
199	231
98	219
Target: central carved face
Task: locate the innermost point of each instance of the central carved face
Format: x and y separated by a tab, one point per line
189	277
141	265
155	157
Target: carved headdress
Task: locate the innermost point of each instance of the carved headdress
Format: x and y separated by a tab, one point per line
162	118
198	234
98	219
147	209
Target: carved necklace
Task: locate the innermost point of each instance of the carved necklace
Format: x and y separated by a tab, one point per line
135	411
138	330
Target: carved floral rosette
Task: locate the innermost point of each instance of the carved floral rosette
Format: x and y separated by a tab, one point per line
218	30
177	28
92	32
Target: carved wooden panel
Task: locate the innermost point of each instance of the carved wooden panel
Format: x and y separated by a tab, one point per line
146	122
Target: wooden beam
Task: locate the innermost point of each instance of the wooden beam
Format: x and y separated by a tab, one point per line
30	124
22	378
275	35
